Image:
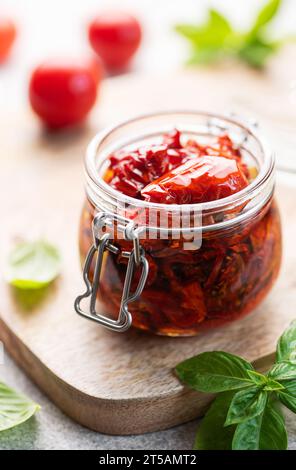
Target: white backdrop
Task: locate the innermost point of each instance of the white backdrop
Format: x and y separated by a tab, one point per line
53	28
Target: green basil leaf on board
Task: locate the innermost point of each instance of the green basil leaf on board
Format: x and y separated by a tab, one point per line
211	434
15	408
288	395
33	265
215	372
264	432
246	404
281	371
286	346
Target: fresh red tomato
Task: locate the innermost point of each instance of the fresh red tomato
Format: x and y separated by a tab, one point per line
115	37
7	37
63	94
204	179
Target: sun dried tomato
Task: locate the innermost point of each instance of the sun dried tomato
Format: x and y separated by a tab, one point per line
201	180
131	171
136	172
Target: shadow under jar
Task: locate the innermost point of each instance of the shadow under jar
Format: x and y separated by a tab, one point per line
215	268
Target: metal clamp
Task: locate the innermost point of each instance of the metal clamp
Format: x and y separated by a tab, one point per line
136	258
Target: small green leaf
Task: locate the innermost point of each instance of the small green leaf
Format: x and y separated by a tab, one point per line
218	23
211	35
189	31
33	265
285	370
14	408
215	372
288	395
273	386
246	404
265	15
264	432
286	346
257	378
211	434
266	383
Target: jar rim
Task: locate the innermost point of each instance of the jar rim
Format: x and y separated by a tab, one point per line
265	171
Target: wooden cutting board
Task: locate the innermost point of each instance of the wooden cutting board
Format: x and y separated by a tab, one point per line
112	383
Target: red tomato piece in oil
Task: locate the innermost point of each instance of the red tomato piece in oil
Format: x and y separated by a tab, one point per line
203	179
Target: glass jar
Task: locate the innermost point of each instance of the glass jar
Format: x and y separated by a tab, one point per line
178	269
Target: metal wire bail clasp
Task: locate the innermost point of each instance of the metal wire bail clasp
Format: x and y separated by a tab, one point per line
136	258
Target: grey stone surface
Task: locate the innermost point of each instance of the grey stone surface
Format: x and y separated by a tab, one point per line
51	429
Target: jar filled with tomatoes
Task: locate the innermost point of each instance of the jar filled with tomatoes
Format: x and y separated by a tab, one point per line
180	229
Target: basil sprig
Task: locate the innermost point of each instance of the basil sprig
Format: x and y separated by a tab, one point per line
246	414
217	39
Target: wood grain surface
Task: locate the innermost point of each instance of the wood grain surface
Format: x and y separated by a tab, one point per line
113	383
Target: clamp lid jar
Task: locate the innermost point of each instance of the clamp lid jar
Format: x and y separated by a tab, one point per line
176	269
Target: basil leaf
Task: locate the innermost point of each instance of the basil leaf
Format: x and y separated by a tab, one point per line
288	395
217	39
265	15
211	434
285	370
215	372
264	432
256	52
190	32
246	404
218	24
286	346
205	55
14	408
33	265
211	35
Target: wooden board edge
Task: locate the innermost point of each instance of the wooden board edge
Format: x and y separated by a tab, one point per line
114	417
